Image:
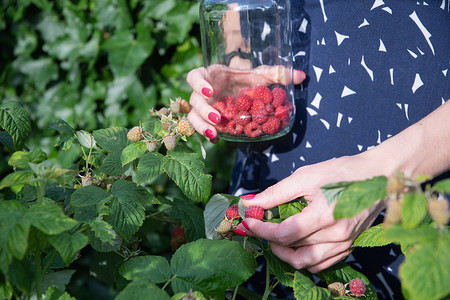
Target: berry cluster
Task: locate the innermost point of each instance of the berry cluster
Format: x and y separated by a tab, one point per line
233	218
254	112
174	124
357	288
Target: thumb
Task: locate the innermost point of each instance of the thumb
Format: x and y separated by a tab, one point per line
279	193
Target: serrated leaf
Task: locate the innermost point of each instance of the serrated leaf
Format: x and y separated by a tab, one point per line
50	219
151	267
304	288
88	196
150	166
360	195
292	208
132	152
112	165
14	229
16	178
141	289
192	219
20	159
215	211
414	209
425	273
58	279
67	244
103	231
112	139
15	120
333	191
400	235
205	266
282	270
187	170
66	134
41	71
153	126
85	139
371	237
128	213
125	54
442	186
53	293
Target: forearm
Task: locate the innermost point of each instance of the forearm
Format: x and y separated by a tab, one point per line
422	148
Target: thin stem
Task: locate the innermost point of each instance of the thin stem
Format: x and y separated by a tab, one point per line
49	261
41	190
268	289
167	282
235	292
38	274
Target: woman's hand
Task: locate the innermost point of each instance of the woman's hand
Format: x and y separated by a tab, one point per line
219	80
312	239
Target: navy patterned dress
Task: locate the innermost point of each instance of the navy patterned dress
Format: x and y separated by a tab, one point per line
374	67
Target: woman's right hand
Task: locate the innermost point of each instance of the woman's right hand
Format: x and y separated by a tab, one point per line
203	116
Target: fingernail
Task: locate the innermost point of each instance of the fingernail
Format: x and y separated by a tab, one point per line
248	196
213	117
209	133
240	232
206	92
245	225
301	73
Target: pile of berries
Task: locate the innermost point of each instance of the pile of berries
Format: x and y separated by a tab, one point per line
357	288
233	218
254	112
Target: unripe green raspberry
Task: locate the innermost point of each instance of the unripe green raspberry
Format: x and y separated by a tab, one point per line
175	107
135	134
185	127
393	213
439	210
224	226
151	145
337	289
170	141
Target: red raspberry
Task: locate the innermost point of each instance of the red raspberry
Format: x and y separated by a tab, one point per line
243	102
242	118
257	105
269	108
259	117
278	96
234	128
357	287
281	111
228	100
219	106
252	129
178	231
263	93
230	112
255	212
222	125
289	105
248	91
271	126
232	212
284	121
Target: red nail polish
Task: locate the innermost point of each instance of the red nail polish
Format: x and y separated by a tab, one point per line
248	197
213	117
240	232
301	72
206	92
245	225
209	133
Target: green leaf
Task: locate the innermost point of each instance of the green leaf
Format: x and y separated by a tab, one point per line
112	139
371	237
88	196
85	139
53	293
112	165
20	159
132	152
15	120
50	219
16	178
187	170
128	213
14	229
360	195
192	219
6	140
108	246
292	208
215	211
282	270
425	273
156	269
66	134
211	266
442	186
67	244
21	274
103	231
41	71
154	126
142	289
400	235
58	279
125	54
332	192
304	288
150	166
414	209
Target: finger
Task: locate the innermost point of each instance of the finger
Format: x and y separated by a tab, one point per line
203	127
299	76
203	109
309	256
196	79
329	262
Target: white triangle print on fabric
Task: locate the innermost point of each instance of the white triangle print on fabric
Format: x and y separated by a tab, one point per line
369	71
318	72
347	92
377	3
308	145
340	37
316	100
445	72
266	31
388	9
302	158
412	53
382	48
349	119
325	122
417	83
303	26
323	41
331	70
311	111
339	119
391	73
364	23
267	151
274	158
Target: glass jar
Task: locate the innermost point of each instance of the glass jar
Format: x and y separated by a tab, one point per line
248	59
